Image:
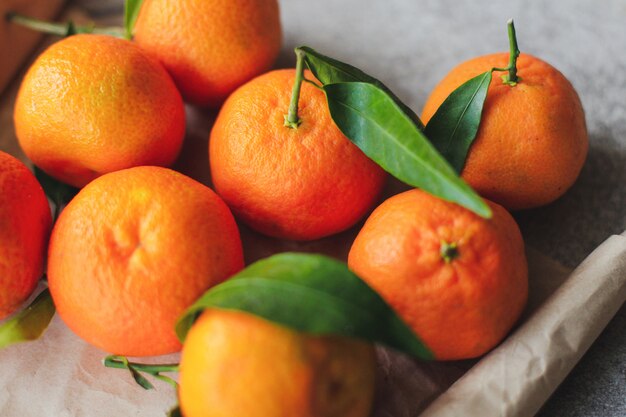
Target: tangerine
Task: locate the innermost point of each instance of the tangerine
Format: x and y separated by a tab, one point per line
299	183
532	140
92	104
132	251
25	223
237	364
458	280
210	47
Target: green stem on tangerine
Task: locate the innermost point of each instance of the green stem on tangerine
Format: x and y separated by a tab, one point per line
60	29
448	251
118	363
291	119
511	78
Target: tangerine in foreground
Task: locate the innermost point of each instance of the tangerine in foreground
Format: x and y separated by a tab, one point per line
25	223
458	280
132	251
210	47
532	140
299	183
237	364
92	104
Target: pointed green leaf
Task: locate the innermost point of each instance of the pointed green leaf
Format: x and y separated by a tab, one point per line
140	379
59	193
71	29
453	128
30	323
373	121
165	378
131	11
121	362
313	294
387	131
175	412
330	71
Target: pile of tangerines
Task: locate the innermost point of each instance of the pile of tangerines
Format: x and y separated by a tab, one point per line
140	242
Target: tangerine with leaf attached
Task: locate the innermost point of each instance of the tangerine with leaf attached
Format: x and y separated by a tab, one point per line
299	183
458	280
532	140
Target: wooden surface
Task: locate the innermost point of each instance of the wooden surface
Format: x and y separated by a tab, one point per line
17	43
18	48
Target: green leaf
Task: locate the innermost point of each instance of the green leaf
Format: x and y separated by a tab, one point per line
313	294
388	131
330	71
165	378
71	29
59	193
131	11
140	379
117	361
371	119
30	323
175	412
453	128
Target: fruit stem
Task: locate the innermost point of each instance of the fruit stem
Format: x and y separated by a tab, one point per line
449	251
511	78
118	363
291	119
60	29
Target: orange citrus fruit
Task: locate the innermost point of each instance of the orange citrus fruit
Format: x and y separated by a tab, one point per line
237	364
300	184
532	140
132	251
92	104
210	47
458	280
25	223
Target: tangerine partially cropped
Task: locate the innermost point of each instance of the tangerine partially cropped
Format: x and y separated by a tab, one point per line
237	364
298	183
458	280
92	104
210	47
24	229
132	251
532	140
